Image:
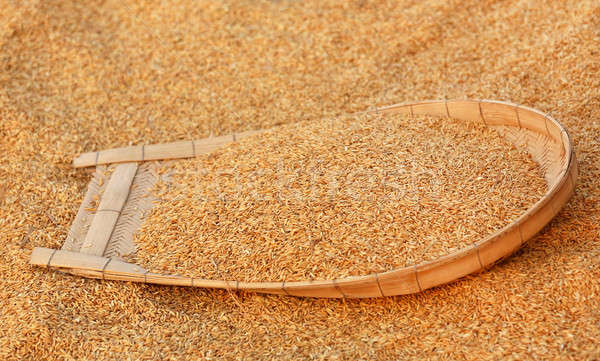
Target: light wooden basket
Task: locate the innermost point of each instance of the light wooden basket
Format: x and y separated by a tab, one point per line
92	260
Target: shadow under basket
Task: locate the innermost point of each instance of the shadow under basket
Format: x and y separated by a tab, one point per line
97	239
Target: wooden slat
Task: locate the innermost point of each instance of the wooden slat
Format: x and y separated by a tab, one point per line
499	113
46	257
499	245
433	107
533	120
397	109
110	208
84	216
139	201
463	109
359	287
448	268
399	282
175	150
313	289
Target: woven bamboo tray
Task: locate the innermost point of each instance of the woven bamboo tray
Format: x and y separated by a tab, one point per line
92	251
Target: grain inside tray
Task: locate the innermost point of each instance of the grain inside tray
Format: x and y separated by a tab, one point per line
336	198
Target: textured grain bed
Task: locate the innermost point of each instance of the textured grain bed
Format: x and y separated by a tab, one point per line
330	199
81	76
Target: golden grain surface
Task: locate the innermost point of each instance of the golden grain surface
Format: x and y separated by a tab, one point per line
81	76
330	199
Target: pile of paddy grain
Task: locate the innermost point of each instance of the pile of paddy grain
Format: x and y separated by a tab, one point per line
330	199
78	77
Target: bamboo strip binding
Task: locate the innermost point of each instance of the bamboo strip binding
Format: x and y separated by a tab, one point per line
141	153
412	279
109	210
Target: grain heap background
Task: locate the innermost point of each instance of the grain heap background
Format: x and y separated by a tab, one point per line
77	77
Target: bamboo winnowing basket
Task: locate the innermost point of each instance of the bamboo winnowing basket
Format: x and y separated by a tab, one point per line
548	142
